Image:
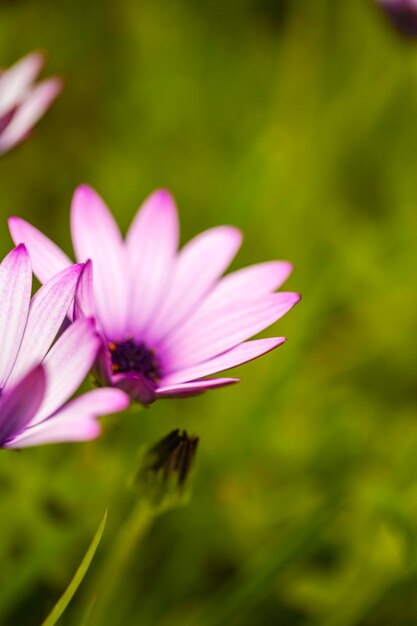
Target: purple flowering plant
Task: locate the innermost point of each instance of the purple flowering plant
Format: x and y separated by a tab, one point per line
148	319
37	375
402	14
23	101
166	318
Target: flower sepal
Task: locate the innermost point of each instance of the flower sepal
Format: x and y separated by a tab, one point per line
162	478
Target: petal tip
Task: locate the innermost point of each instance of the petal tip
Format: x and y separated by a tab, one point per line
90	322
233	234
290	296
121	400
294	298
163	196
93	431
21	248
36	59
276	342
159	203
15	225
84	193
19	254
74	272
288	266
52	88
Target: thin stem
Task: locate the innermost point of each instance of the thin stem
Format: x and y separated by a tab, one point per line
121	552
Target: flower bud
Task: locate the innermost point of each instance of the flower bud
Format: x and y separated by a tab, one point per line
165	467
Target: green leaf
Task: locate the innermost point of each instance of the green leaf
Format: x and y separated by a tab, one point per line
67	596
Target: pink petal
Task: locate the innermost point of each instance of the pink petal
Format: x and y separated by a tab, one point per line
15	289
37	101
76	421
67	364
96	236
20	403
152	242
247	283
47	312
15	81
195	342
199	265
186	390
84	299
237	356
136	386
46	258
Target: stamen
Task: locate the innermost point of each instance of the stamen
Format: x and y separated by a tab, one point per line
129	356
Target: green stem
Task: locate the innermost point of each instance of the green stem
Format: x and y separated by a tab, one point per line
121	552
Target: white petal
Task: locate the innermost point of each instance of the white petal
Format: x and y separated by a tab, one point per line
243	353
67	365
20	403
84	297
186	390
15	81
200	263
76	421
96	236
248	283
15	289
36	102
47	312
152	243
46	258
195	342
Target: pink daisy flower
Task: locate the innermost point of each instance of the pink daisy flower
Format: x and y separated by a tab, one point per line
403	15
36	380
167	318
22	102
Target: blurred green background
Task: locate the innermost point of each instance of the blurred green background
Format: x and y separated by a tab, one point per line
296	121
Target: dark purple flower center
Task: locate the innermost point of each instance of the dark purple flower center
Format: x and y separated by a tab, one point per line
129	356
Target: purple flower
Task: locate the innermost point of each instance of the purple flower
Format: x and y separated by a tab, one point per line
403	14
36	379
166	318
22	103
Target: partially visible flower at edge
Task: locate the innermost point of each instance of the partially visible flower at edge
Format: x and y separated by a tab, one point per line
403	15
167	318
22	102
36	380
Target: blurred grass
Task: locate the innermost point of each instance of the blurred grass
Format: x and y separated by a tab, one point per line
296	122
